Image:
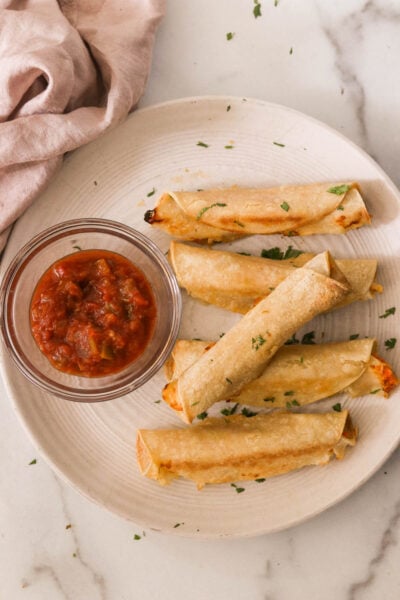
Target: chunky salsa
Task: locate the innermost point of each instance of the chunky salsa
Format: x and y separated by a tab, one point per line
92	313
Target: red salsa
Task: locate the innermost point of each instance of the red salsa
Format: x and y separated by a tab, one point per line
92	313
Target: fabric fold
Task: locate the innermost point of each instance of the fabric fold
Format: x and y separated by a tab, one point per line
69	71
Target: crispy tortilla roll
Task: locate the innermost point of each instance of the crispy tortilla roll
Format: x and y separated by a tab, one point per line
242	354
224	214
237	448
302	374
237	282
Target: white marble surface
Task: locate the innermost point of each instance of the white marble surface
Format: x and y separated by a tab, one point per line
56	545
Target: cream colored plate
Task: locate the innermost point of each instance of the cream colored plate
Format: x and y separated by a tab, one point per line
92	446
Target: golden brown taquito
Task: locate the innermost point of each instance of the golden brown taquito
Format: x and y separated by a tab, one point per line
302	374
242	354
237	448
217	215
237	282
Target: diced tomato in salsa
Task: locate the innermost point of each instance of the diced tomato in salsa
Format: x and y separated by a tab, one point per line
92	313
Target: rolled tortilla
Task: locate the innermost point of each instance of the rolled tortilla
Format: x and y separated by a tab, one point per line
237	448
217	215
242	354
302	374
237	282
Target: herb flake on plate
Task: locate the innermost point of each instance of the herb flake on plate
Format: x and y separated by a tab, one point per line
278	254
388	312
257	9
202	416
390	343
239	490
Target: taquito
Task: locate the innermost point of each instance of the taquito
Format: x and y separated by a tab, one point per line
237	448
242	354
301	374
236	282
217	215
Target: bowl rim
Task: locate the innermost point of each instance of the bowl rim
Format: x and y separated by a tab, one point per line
34	246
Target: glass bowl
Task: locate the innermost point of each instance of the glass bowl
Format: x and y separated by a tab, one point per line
37	256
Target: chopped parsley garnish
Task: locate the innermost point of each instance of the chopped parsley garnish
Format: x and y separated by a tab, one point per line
239	490
269	399
228	380
274	253
308	338
94	182
340	207
229	147
292	340
157	401
289	393
202	415
68	526
337	407
279	144
257	9
292	253
194	403
77	248
260	480
229	35
137	537
390	343
229	411
291	404
256	342
339	189
202	144
221	335
285	206
239	223
178	525
244	253
33	462
278	254
228	108
291	51
153	191
205	208
246	412
388	312
354	336
375	391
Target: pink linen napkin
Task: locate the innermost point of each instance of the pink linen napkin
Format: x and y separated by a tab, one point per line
69	70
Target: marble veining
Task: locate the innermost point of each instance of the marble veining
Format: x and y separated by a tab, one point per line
345	37
41	570
388	540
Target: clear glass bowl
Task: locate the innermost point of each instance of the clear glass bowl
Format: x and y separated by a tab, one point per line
34	259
